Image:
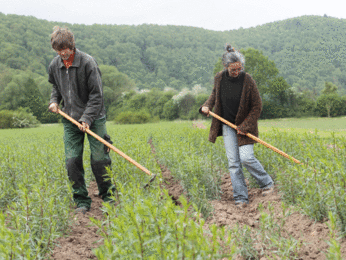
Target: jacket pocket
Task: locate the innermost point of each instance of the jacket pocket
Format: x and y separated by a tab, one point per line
108	139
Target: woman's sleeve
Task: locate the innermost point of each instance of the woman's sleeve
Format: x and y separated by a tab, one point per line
255	110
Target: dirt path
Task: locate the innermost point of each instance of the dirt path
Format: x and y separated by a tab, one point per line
301	227
83	236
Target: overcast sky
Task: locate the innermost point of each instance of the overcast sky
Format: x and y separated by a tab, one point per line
217	15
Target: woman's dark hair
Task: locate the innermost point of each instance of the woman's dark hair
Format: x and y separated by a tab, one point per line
232	56
62	38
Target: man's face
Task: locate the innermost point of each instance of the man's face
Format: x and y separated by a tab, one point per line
234	69
65	53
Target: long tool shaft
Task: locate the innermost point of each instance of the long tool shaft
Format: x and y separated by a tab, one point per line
107	144
256	139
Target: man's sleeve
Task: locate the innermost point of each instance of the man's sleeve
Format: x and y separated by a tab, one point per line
95	102
55	96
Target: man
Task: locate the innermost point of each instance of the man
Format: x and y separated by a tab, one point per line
235	97
76	81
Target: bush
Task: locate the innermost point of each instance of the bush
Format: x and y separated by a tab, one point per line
49	117
170	110
130	117
6	120
20	118
330	105
271	110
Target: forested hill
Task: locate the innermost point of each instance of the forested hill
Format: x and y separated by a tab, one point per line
307	50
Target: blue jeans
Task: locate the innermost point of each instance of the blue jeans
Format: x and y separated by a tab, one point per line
242	155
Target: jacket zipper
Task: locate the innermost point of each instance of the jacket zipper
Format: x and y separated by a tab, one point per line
69	92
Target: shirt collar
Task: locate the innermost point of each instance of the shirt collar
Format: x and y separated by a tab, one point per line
76	60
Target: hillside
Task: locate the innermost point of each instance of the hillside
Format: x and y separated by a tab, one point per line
307	50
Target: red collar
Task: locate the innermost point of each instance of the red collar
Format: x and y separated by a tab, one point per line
69	61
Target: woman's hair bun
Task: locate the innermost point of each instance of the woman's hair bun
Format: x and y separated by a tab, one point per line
229	48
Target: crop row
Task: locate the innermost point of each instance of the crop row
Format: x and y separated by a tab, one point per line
147	224
317	187
34	202
35	207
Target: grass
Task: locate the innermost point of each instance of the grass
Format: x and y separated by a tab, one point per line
324	125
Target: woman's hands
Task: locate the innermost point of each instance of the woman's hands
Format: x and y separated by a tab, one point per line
205	110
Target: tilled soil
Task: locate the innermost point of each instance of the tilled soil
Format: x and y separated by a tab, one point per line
83	235
314	235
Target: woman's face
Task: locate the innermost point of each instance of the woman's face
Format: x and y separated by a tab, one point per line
234	69
65	53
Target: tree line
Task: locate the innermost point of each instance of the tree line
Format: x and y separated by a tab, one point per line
307	50
297	74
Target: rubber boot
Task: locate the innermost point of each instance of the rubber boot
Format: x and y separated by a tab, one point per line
103	183
75	172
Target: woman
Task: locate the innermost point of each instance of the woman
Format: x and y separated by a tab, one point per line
235	97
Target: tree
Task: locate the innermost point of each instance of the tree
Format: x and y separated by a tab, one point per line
185	104
136	103
155	100
330	105
13	95
278	90
218	66
114	83
170	110
329	88
33	99
200	100
271	110
260	68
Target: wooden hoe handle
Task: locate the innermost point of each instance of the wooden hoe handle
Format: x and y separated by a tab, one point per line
256	139
107	144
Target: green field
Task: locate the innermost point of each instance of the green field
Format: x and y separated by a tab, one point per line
324	125
35	198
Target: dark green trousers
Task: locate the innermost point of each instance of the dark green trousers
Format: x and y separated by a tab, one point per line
74	145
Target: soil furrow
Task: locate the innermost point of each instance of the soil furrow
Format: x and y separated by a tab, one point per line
83	235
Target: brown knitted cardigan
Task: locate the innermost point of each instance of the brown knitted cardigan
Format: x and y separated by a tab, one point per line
250	108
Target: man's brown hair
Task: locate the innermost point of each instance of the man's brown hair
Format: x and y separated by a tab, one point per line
62	38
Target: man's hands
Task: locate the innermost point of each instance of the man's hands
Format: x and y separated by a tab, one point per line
205	110
84	127
54	108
